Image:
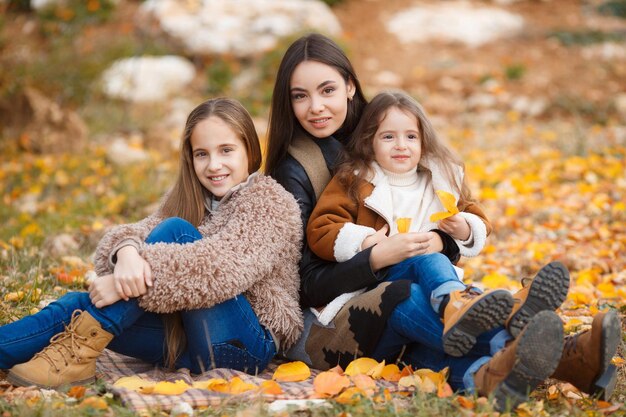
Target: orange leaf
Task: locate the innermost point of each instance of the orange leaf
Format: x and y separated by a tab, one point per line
271	388
292	372
97	403
440	215
365	383
330	383
444	390
238	385
466	403
77	392
391	373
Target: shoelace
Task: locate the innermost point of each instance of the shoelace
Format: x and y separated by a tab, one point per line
57	345
570	343
470	292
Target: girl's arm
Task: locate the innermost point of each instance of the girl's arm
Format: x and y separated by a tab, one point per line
332	232
262	231
132	234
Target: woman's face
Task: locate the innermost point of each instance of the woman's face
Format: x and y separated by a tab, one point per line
319	98
219	156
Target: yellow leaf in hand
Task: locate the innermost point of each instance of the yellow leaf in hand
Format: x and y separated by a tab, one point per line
360	366
292	372
449	203
404	224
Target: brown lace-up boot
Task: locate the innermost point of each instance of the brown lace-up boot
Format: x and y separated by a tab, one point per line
586	360
517	369
546	291
69	359
469	313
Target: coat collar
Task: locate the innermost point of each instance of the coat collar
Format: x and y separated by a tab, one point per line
211	204
380	200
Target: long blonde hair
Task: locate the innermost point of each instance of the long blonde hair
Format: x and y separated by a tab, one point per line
186	199
358	153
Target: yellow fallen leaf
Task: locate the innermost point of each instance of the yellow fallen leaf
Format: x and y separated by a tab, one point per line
351	395
209	384
404	224
360	366
617	361
170	388
466	403
377	371
292	372
330	383
134	383
238	385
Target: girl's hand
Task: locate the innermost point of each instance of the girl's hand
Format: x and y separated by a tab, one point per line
102	291
132	273
402	246
456	226
377	237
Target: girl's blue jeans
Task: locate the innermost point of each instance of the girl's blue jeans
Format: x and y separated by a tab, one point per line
227	335
415	324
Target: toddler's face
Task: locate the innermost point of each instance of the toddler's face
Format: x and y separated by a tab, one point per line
397	143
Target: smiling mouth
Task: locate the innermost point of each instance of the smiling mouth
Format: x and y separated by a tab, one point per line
320	121
217	178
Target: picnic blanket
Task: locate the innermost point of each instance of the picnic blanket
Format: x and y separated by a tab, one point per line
111	366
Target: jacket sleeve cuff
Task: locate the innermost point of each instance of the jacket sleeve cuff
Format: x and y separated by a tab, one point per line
349	240
126	242
478	236
450	247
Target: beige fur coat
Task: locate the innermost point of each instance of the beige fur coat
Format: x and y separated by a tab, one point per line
250	245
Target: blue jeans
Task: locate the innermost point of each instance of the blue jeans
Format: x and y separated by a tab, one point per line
433	272
415	324
227	335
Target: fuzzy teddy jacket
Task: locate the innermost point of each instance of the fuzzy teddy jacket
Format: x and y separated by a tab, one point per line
338	225
251	245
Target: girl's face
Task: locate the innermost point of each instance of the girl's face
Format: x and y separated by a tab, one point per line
219	155
397	143
319	97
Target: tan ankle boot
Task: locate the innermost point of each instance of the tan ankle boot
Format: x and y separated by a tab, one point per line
586	360
546	291
469	313
69	359
516	370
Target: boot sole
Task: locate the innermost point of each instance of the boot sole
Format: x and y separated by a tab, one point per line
21	382
604	384
537	356
491	312
548	291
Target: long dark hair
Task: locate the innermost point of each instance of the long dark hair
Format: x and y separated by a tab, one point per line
282	122
358	153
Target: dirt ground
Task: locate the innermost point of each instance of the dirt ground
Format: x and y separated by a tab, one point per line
430	70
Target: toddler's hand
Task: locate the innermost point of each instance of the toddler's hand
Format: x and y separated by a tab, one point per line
456	226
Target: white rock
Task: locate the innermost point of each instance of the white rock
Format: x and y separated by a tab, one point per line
529	106
457	21
148	78
239	27
120	153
